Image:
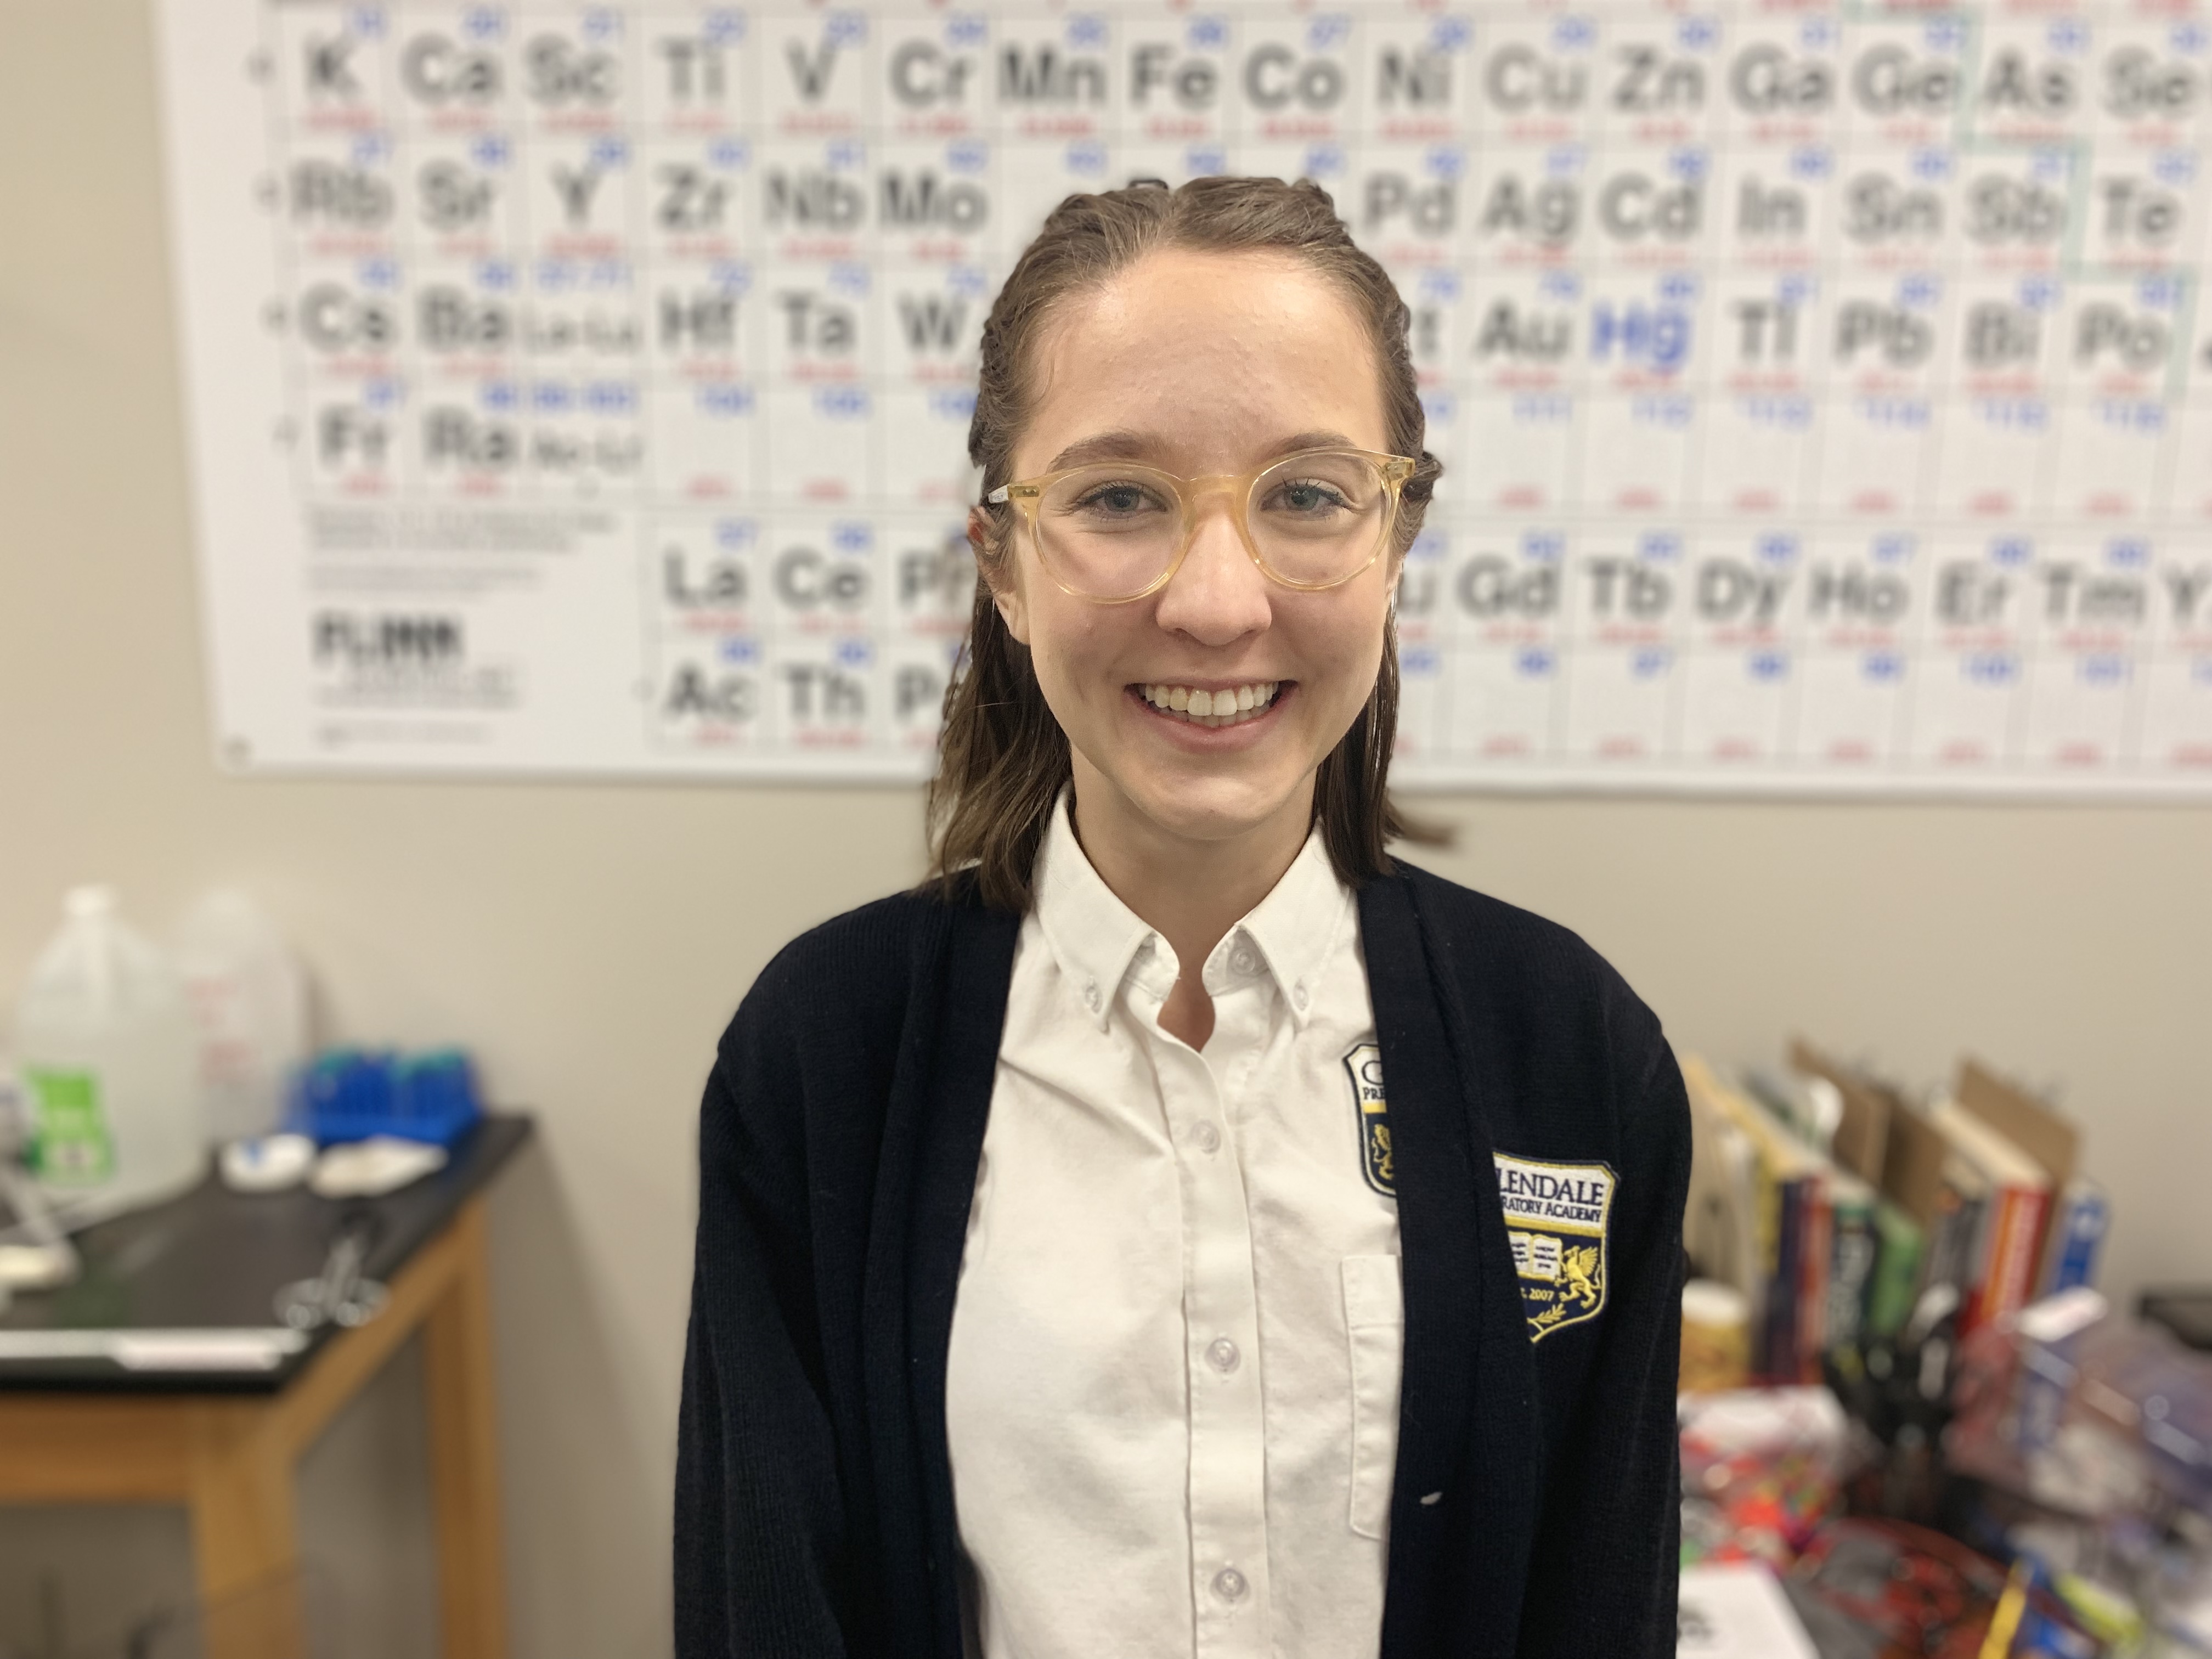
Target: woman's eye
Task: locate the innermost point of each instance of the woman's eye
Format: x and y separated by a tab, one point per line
1116	500
1308	497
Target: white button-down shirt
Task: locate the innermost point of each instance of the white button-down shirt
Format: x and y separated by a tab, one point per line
1172	1392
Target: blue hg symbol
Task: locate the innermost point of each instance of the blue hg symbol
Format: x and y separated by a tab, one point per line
1657	336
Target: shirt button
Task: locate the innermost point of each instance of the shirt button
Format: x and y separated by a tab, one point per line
1229	1584
1208	1137
1222	1353
1090	998
1243	961
1299	995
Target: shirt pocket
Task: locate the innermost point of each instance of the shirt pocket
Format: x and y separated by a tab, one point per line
1374	1330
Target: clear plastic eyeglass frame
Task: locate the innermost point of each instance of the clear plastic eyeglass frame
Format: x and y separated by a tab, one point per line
1190	494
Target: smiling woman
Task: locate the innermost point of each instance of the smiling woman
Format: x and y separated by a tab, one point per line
1222	326
1125	1245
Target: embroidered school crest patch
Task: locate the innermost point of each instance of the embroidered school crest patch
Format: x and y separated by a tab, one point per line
1556	1216
1364	1063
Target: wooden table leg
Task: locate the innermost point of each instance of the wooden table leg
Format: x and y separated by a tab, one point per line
245	1534
233	1462
457	1376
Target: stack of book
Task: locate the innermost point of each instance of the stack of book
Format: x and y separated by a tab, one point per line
1841	1211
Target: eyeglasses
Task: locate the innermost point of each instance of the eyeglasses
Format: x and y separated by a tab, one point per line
1116	532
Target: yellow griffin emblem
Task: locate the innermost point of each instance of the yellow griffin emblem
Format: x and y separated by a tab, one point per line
1557	1217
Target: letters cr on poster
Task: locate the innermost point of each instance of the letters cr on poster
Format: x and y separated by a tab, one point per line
1826	392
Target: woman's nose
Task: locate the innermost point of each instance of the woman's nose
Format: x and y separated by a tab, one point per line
1218	595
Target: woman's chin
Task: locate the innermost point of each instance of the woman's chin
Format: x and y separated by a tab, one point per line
1216	804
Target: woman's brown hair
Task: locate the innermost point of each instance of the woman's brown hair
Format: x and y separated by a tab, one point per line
1003	758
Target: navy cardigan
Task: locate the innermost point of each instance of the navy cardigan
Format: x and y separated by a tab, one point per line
1536	1505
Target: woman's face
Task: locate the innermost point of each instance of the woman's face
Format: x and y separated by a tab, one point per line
1201	364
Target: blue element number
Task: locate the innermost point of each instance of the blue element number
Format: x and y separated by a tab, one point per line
724	401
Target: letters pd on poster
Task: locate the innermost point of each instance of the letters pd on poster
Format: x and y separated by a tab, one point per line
1825	391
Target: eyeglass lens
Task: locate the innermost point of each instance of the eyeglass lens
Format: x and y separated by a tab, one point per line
1112	530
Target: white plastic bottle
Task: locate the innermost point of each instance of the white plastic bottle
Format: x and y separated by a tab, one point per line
249	1000
108	1059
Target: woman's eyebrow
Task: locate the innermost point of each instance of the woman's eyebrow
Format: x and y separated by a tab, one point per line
1314	441
1119	445
1127	445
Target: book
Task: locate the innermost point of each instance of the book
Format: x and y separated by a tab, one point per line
1816	1274
2017	1115
2003	1278
1955	1228
1779	1362
2055	1145
1737	1610
1809	1107
1895	1279
1720	1221
2078	1225
1854	1245
1860	1139
1791	1265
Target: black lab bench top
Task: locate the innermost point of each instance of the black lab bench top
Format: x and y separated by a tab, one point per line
179	1297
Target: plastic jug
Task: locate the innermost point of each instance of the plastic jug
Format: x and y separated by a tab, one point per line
108	1059
249	999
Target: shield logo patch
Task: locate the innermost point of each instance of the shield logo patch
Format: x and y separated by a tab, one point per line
1363	1063
1556	1217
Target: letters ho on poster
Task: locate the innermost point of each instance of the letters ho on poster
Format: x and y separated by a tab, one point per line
1825	391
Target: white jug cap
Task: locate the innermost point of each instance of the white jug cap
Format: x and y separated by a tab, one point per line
89	900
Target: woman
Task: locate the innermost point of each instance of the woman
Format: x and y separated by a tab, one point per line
1048	1295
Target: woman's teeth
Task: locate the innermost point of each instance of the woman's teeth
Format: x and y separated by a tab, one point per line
1213	707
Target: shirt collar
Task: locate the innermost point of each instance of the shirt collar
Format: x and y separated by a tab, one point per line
1093	934
1299	923
1096	938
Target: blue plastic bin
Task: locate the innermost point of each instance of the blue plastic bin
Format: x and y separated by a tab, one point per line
351	1094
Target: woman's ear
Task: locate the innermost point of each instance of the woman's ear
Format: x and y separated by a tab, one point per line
997	573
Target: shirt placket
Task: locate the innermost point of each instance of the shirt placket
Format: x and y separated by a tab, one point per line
1228	1448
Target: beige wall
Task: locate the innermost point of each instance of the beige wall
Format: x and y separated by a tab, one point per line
589	941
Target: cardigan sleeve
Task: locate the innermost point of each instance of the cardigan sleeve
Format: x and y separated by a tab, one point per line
760	1544
1603	1571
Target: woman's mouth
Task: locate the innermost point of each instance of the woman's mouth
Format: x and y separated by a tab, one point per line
1230	707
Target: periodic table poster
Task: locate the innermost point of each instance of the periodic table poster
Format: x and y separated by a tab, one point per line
1825	391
